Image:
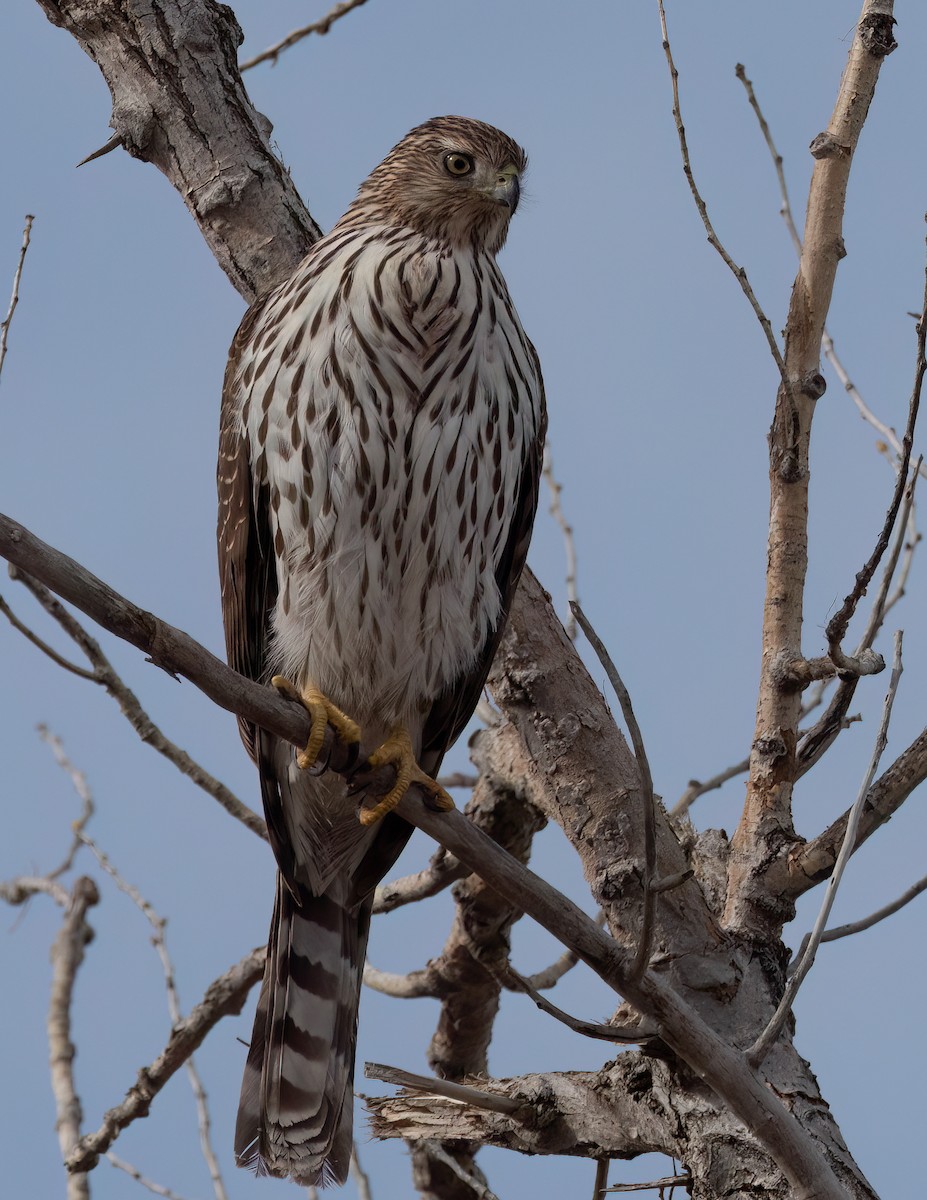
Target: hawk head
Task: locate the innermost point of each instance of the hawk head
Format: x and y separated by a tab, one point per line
452	178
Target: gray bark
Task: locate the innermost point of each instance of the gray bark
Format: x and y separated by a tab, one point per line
178	102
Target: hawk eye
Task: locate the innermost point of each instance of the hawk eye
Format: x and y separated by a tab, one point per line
458	164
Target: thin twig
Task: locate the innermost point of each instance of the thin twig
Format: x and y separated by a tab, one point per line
911	541
437	1151
66	956
158	923
443	870
458	779
224	997
320	27
881	604
58	659
646	785
669	1181
81	787
569	544
360	1176
136	1174
839	622
442	1087
887	910
548	977
14	299
625	1034
739	273
827	342
108	678
770	1034
696	789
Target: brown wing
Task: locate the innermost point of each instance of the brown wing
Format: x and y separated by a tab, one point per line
247	572
453	709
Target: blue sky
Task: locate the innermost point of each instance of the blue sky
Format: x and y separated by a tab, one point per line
660	388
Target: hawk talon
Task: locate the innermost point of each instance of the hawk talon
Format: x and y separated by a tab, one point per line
322	713
396	752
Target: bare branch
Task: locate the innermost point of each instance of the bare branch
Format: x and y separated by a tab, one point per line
224	997
81	787
814	861
321	27
786	209
601	1178
646	785
548	977
569	545
458	779
157	923
360	1176
816	741
793	1149
765	834
739	273
14	299
106	675
441	872
839	623
842	931
139	1178
632	1034
437	1151
24	887
58	659
696	789
442	1087
827	342
770	1034
67	955
669	1181
402	987
912	539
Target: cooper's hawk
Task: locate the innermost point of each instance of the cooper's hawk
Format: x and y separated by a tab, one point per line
380	448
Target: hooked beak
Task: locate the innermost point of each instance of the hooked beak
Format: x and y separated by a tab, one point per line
507	188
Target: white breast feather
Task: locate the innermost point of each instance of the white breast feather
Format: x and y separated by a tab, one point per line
384	604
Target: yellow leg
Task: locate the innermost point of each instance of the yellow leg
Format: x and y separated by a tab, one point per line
322	714
396	751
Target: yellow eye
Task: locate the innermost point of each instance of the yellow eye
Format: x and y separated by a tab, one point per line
458	164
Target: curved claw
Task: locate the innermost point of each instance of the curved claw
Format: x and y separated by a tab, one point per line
396	751
322	713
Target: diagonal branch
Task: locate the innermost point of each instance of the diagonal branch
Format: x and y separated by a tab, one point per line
224	997
14	299
680	1026
738	272
272	53
765	834
105	674
764	1042
646	788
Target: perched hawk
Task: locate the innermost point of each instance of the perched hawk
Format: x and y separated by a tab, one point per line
380	449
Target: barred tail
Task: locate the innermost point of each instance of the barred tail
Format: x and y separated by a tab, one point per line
295	1115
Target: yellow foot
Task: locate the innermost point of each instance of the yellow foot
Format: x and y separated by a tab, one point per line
322	714
396	751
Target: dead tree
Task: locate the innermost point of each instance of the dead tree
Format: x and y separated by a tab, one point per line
692	939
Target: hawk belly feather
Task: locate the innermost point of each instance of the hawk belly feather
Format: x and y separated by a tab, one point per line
381	438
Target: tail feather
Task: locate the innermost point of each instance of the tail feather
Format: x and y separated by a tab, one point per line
296	1111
